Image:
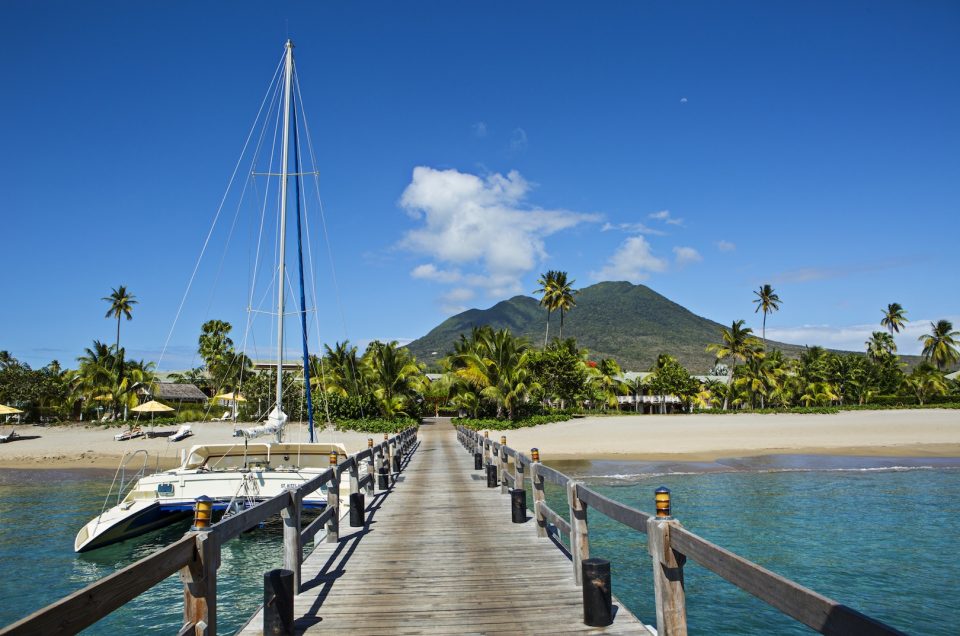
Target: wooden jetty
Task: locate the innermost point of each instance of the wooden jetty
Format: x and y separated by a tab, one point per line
439	555
442	544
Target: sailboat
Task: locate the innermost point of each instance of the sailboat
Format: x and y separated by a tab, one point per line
238	474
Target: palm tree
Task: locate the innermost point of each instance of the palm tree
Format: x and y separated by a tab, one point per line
548	286
121	304
394	376
737	343
563	293
768	302
940	345
498	366
880	345
894	318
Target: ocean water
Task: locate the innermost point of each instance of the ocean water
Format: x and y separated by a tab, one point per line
881	536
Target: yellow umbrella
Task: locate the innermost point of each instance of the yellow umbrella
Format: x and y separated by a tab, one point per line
233	397
152	407
8	410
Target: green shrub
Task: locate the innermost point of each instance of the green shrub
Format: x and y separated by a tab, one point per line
506	425
376	424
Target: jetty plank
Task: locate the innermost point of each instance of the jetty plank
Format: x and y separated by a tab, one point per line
439	554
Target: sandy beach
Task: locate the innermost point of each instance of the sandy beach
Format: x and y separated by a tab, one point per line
900	433
77	446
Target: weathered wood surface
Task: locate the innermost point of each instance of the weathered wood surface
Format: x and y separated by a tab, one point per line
439	555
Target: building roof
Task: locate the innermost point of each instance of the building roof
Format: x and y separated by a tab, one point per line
178	392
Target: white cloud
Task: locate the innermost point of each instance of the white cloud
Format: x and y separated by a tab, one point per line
459	294
518	140
632	228
686	255
429	271
683	100
852	337
726	246
666	217
479	129
480	225
633	261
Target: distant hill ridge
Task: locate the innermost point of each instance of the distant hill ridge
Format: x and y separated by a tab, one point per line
631	323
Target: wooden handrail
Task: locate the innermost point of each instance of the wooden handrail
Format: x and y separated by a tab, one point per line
671	544
85	607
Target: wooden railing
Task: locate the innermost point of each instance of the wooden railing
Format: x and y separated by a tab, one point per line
197	555
669	545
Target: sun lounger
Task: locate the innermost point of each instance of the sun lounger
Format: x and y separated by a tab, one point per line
182	433
223	418
9	437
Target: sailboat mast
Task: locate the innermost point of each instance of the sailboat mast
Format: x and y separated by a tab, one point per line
287	102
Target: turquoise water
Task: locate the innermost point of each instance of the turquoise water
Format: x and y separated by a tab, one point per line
881	536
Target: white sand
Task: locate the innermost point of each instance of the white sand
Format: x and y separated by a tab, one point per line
94	447
894	433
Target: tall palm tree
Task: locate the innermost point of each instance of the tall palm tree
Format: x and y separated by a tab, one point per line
880	345
940	345
894	318
121	304
394	376
738	344
767	301
563	293
548	286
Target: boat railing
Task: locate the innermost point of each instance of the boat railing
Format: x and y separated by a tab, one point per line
196	556
669	544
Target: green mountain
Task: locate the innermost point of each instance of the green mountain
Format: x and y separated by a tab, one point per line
630	323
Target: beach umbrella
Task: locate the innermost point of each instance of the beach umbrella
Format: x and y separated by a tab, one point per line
152	407
8	410
232	397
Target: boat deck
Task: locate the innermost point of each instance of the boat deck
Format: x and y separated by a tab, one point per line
440	555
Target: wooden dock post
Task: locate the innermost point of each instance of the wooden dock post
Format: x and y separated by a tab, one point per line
371	469
199	579
292	546
539	496
579	536
503	464
667	570
518	471
333	502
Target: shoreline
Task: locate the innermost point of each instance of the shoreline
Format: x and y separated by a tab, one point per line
662	438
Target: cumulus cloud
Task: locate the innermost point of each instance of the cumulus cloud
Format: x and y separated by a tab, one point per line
518	140
633	261
726	246
686	255
479	230
429	271
479	129
666	217
631	228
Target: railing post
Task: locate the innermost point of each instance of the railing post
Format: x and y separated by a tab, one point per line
517	471
292	547
579	537
371	468
667	570
333	501
503	465
486	447
539	496
199	579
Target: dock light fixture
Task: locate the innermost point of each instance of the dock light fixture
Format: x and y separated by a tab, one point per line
661	497
333	458
486	434
369	442
202	513
503	440
535	454
386	436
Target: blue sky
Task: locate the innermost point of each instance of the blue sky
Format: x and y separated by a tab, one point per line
702	149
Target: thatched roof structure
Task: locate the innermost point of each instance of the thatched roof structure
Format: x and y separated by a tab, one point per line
173	392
